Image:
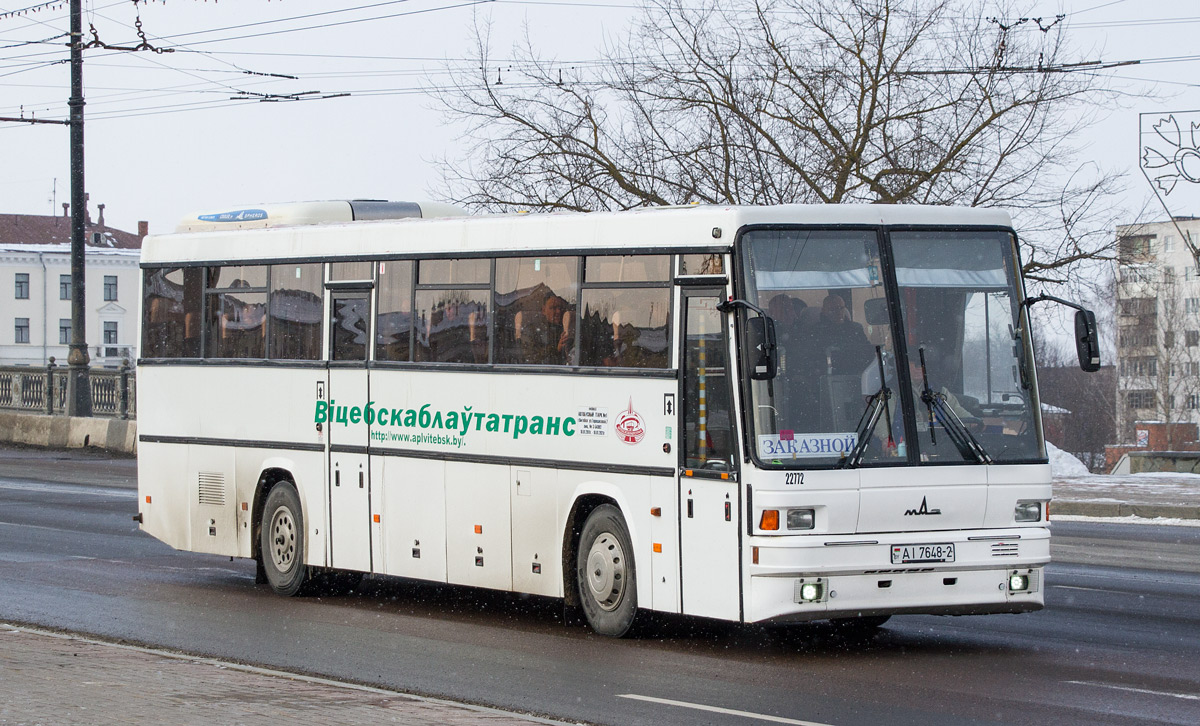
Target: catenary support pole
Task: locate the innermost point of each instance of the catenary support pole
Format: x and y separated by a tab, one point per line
79	394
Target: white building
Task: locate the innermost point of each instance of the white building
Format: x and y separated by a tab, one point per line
1158	324
35	291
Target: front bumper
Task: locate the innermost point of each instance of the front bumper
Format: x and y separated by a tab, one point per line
857	578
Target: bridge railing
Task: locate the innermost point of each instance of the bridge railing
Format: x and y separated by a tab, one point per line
43	389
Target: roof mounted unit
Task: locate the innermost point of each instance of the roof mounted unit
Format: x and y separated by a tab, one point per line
299	213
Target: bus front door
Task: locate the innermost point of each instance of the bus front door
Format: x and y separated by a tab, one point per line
709	499
349	474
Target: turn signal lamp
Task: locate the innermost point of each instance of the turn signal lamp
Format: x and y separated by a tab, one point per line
769	522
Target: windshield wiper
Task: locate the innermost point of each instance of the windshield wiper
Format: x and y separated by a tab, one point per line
939	410
876	405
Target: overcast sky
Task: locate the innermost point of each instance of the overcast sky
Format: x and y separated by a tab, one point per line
165	140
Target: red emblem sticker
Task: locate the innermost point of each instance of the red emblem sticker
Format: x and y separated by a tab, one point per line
629	425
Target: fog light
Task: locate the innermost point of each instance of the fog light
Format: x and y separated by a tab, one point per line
800	518
1028	511
1018	583
810	591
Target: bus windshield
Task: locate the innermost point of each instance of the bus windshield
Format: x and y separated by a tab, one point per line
847	390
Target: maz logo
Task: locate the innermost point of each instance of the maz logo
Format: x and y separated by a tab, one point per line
923	510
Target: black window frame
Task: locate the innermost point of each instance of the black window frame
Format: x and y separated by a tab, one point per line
110	288
21	286
20	330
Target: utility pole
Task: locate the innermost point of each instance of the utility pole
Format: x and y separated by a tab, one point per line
79	394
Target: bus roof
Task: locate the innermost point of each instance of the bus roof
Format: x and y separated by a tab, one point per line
653	228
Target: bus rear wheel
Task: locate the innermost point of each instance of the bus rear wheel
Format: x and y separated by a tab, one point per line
605	572
281	541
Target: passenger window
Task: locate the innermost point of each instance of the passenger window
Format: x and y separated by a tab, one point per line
237	325
342	271
707	264
455	272
628	268
451	326
236	306
171	309
393	315
626	302
537	310
626	327
295	309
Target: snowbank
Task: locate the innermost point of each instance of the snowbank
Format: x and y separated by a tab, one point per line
1063	464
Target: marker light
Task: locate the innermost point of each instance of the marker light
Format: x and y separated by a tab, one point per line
769	520
1028	511
800	518
810	591
1018	583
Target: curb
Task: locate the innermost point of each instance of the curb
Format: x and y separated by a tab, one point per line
69	432
1123	509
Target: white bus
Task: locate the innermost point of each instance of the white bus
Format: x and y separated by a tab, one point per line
755	414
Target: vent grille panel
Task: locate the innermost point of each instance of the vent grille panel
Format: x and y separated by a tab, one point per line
211	488
1005	549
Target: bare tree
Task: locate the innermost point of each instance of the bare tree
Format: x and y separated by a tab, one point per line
790	101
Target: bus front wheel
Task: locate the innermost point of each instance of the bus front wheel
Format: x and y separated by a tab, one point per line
605	573
281	540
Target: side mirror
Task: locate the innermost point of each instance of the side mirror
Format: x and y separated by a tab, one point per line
875	311
760	347
1087	341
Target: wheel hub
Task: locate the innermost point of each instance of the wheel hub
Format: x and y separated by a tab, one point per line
606	571
283	537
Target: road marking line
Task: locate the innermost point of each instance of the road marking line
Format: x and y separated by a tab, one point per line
52	488
717	709
1088	589
1186	696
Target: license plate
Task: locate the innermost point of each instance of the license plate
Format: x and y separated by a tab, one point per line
914	553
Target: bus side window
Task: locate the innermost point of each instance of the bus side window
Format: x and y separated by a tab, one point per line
393	315
236	303
626	306
536	309
451	311
295	312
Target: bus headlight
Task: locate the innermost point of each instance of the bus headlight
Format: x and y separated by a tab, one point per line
1018	582
1028	511
801	518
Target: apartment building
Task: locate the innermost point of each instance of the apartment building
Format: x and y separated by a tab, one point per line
36	289
1158	326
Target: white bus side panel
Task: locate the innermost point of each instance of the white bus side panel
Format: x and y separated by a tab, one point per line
664	535
536	531
410	497
478	525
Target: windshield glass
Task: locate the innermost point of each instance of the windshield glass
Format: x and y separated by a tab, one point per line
960	311
824	290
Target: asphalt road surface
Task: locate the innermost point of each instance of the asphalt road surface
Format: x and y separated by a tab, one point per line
1118	643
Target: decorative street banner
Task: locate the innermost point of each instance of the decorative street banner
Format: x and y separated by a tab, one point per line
1169	157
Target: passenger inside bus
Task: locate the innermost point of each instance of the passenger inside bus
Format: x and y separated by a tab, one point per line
546	336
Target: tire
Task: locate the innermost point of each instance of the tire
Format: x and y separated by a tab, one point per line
281	541
605	574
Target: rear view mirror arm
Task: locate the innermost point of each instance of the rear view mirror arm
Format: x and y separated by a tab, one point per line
1087	343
